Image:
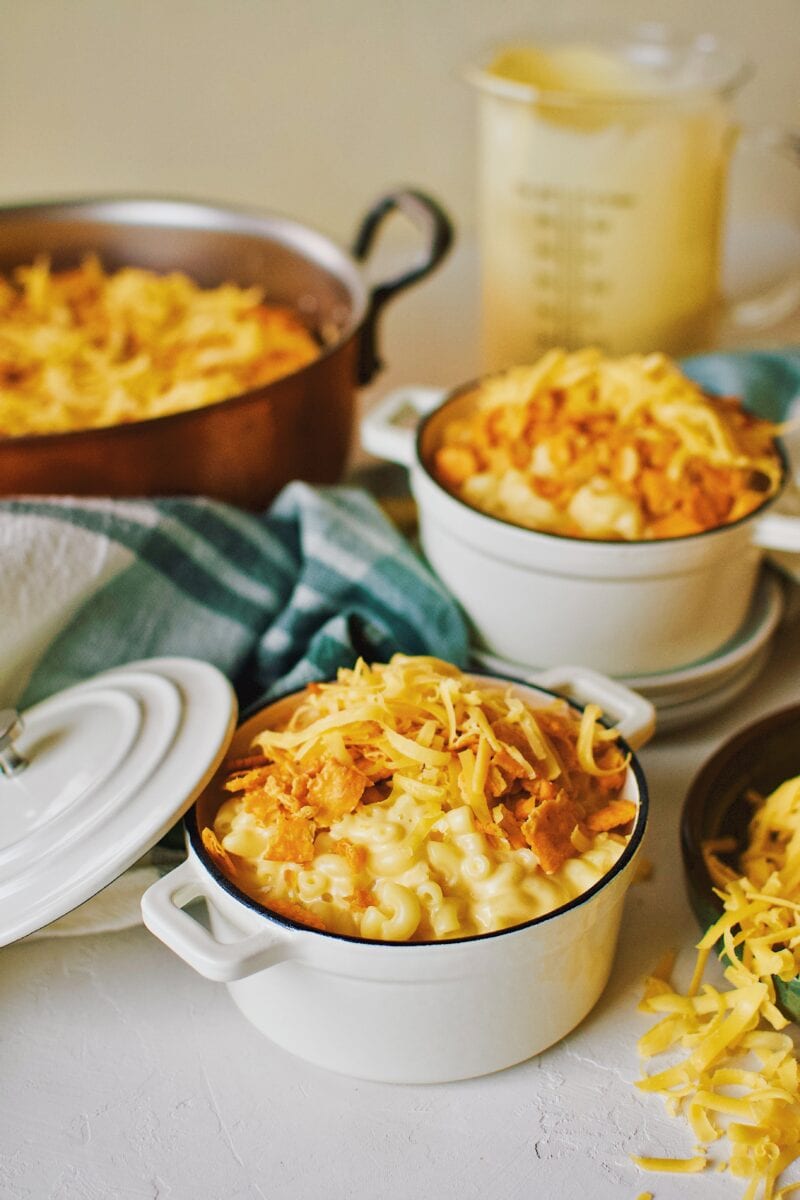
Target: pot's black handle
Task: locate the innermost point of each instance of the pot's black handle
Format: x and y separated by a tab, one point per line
433	222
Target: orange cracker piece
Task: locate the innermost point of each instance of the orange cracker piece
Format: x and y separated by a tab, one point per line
266	802
295	911
676	524
611	816
523	807
245	779
218	853
540	790
511	829
248	762
335	791
356	856
292	840
270	776
363	899
548	832
454	464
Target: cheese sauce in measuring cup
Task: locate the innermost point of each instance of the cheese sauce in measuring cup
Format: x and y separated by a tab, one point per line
602	178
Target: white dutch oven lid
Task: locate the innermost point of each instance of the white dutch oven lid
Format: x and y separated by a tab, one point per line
92	777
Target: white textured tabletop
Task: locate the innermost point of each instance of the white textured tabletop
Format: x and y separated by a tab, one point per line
126	1076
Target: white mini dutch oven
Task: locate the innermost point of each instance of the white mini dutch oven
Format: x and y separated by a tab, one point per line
625	608
406	1012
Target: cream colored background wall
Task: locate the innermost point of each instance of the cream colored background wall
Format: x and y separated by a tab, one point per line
310	107
305	106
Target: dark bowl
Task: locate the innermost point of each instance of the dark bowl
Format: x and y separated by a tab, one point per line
758	758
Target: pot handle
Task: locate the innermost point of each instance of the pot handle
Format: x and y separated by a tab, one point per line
163	914
778	531
632	715
388	429
436	227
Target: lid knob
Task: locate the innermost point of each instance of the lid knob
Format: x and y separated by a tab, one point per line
11	761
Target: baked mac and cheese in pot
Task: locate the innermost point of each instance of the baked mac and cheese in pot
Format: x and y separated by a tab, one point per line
408	801
88	348
364	834
584	509
624	449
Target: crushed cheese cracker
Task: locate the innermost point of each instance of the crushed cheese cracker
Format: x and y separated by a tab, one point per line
408	801
614	449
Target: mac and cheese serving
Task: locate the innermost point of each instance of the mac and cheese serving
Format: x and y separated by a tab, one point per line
408	801
84	348
615	449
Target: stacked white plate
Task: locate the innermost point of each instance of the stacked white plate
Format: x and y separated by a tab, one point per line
701	689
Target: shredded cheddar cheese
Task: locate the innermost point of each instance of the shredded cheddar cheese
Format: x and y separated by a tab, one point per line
409	801
86	348
613	449
739	1073
674	1166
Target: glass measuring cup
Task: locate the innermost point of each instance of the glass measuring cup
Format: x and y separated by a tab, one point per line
603	164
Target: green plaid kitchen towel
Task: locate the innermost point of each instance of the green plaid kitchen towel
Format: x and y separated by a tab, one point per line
767	380
273	601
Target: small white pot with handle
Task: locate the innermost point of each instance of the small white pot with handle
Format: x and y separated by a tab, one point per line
407	1012
625	608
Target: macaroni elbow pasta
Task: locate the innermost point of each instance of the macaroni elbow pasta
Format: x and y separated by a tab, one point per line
587	446
406	801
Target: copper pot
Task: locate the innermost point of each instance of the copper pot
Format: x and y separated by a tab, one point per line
241	450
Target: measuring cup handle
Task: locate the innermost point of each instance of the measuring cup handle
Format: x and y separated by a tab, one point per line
770	305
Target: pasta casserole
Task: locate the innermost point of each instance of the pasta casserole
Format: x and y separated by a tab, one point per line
86	348
407	801
616	449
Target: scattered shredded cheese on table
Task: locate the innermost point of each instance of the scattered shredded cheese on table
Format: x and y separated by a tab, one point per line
739	1074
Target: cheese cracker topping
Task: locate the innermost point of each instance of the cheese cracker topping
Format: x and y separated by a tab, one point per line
612	449
86	348
408	801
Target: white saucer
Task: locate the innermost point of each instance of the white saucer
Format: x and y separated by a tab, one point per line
710	674
670	717
700	689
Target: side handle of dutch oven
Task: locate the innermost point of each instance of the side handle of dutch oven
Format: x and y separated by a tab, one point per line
778	531
163	913
436	227
631	713
389	428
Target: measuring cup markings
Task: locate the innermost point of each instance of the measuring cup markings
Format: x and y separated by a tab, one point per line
644	155
568	270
